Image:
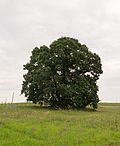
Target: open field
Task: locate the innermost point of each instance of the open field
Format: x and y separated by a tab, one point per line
30	125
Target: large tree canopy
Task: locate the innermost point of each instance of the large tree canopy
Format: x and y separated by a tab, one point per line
62	75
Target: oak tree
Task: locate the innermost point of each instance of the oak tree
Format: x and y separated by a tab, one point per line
63	75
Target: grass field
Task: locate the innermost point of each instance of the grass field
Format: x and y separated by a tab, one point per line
30	125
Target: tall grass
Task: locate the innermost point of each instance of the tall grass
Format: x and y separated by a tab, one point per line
30	125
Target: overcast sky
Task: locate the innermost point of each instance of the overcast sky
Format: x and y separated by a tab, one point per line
25	24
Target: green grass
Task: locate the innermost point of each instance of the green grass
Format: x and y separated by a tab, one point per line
30	125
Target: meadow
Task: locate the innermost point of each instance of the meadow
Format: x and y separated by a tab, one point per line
32	125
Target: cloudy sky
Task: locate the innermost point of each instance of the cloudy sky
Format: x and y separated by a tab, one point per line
25	24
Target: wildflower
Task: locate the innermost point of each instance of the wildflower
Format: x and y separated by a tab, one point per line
76	129
85	133
62	134
82	129
33	128
64	128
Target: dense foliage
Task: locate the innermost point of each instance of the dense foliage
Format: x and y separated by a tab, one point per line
62	75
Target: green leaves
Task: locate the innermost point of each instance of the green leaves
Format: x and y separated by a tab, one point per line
63	75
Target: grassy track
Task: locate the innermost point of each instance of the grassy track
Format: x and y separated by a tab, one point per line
30	125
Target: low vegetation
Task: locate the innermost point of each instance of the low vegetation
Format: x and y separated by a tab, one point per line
32	125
